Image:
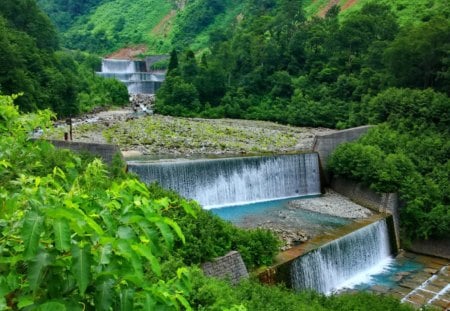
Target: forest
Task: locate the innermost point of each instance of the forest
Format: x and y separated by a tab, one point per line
76	234
366	69
33	63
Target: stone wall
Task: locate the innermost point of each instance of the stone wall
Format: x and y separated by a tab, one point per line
104	151
324	144
231	266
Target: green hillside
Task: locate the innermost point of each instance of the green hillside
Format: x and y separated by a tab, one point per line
31	63
105	26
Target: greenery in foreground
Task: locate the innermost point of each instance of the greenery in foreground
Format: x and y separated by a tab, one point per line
32	63
77	235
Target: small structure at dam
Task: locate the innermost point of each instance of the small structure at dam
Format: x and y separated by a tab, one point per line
137	75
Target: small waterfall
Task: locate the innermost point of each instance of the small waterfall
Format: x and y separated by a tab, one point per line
133	74
231	181
330	267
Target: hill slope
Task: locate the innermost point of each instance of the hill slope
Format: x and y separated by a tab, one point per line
105	26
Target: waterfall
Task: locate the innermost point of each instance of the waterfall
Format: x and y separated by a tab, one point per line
133	74
355	255
229	181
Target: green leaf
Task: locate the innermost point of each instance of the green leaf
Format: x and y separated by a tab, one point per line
37	269
146	252
104	293
183	301
105	254
2	303
127	252
176	228
31	231
149	303
126	300
81	267
166	233
61	231
25	301
52	306
94	225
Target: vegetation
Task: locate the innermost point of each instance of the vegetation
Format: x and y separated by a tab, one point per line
326	72
73	235
282	67
409	154
209	294
77	235
30	63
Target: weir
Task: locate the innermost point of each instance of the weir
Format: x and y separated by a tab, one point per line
133	74
349	259
231	181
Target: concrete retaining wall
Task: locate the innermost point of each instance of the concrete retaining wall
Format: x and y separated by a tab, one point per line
438	248
230	266
104	151
324	144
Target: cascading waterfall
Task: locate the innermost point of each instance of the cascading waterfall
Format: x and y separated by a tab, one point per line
133	74
329	267
231	181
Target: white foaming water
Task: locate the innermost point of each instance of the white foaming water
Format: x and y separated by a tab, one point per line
365	277
231	181
118	66
133	74
344	262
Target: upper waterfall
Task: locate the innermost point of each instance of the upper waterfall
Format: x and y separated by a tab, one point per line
134	74
231	181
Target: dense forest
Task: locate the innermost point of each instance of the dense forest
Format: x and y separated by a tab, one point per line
32	63
364	69
79	235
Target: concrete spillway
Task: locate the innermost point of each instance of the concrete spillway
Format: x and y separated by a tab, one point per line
230	181
133	74
354	256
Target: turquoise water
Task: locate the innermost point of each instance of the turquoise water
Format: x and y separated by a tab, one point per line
389	276
278	213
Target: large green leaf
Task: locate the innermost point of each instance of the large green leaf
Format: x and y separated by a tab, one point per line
104	293
31	231
81	266
146	252
52	306
37	269
166	233
126	300
175	228
134	259
61	230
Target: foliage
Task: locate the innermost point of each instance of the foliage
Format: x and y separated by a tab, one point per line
409	154
278	66
208	236
211	294
30	63
110	25
71	237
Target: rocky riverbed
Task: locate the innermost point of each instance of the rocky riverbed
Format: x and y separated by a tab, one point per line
332	203
138	134
299	220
